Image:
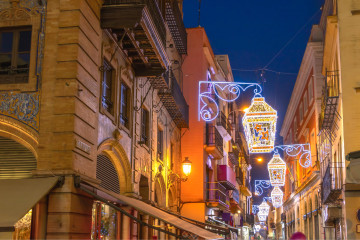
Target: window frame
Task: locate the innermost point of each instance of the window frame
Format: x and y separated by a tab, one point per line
160	144
127	105
104	110
31	78
145	127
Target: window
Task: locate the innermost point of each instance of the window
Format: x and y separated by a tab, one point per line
144	126
104	222
15	47
310	90
125	105
305	101
107	95
171	156
160	145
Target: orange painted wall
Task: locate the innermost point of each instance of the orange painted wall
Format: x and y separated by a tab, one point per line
194	69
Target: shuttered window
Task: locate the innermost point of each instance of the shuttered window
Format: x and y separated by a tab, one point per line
106	173
16	161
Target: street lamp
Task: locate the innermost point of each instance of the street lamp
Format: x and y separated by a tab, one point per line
186	166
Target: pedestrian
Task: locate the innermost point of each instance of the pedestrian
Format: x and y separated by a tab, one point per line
298	236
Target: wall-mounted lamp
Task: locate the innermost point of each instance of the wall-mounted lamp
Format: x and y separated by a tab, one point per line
186	166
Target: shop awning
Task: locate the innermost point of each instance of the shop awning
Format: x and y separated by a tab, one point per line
18	196
101	194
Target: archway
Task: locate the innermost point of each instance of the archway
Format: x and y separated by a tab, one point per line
117	155
160	191
107	174
16	161
144	188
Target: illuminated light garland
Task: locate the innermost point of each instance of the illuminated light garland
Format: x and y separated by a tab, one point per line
277	170
259	123
303	151
277	197
255	209
257	227
259	185
211	92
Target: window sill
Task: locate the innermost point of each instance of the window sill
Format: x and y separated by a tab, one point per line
107	114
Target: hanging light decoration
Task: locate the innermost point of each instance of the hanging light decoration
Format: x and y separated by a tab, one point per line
259	123
277	170
277	197
263	211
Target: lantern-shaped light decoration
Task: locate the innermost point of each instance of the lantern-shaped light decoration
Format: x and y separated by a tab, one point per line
259	123
277	170
262	218
263	211
277	197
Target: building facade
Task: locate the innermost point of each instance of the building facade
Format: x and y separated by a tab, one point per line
301	208
91	117
218	191
339	143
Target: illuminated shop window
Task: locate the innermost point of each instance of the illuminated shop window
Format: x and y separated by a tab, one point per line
104	222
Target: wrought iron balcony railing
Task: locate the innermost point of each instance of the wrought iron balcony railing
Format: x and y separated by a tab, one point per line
214	142
332	184
216	194
234	156
141	28
174	101
223	125
239	176
330	98
175	23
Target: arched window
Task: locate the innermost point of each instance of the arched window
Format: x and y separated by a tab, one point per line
106	173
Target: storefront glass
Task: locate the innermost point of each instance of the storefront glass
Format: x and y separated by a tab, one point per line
23	227
103	222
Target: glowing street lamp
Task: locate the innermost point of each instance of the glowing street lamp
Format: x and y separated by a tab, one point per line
259	123
186	166
277	170
277	197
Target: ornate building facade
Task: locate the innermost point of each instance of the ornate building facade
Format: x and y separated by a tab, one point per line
91	119
301	208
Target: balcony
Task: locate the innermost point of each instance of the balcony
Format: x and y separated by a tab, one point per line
216	195
226	176
141	32
331	186
214	142
174	101
249	218
239	176
330	98
245	189
223	125
175	23
234	156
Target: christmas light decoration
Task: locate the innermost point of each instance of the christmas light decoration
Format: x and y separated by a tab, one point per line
255	209
257	227
259	123
277	197
259	185
211	92
277	170
262	218
301	151
263	211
